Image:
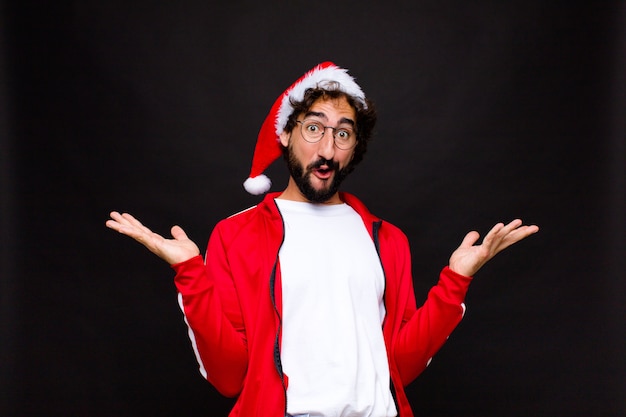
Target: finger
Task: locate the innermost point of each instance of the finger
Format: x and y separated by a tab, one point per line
492	234
513	225
517	230
115	216
112	224
132	221
126	224
116	222
520	233
178	233
513	236
470	239
119	222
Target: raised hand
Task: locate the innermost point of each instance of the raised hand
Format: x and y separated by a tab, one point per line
469	258
172	251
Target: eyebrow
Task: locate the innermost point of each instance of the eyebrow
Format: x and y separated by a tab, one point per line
343	120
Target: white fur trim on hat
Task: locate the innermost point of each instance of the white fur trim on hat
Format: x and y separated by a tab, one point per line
331	77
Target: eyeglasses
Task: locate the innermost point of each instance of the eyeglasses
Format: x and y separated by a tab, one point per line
313	131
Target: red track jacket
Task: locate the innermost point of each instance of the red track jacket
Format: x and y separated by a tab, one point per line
232	305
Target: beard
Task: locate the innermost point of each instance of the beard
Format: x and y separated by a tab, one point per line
302	178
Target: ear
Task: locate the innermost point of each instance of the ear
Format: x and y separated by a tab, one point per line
284	138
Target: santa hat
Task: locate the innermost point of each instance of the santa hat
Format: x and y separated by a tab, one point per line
268	147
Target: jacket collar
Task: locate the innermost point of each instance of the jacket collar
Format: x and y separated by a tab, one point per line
269	206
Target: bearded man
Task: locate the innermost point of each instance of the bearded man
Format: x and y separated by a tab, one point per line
304	304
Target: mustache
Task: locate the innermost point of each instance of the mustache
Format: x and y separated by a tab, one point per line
331	164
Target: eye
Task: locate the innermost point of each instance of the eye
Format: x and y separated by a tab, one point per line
313	128
343	134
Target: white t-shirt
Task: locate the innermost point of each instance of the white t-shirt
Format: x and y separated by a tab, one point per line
333	284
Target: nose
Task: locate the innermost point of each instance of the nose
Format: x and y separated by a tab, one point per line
326	147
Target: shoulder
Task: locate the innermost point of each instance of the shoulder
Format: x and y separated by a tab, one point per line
250	220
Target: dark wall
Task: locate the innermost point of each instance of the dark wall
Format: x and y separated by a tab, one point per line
488	111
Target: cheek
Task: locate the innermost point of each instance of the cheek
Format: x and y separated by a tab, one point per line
297	157
346	159
304	154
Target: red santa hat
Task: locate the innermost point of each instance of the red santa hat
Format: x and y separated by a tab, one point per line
268	147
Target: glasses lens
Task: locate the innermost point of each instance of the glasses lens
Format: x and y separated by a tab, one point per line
312	131
345	138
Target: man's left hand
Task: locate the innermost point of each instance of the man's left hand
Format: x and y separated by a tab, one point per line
469	257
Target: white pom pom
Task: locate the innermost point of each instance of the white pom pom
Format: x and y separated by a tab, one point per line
257	185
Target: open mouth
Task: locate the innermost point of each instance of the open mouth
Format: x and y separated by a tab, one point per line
323	169
323	172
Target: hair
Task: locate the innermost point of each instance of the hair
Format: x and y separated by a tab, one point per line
365	117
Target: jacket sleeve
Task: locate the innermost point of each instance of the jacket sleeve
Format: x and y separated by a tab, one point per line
425	330
209	303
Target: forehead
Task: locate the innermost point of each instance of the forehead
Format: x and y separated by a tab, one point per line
333	108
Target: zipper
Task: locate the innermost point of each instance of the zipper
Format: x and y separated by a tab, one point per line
375	228
277	361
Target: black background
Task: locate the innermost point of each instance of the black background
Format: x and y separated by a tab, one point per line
487	111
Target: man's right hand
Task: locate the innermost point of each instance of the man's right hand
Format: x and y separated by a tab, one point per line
172	251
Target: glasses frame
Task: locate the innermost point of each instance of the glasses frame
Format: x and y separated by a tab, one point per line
334	129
